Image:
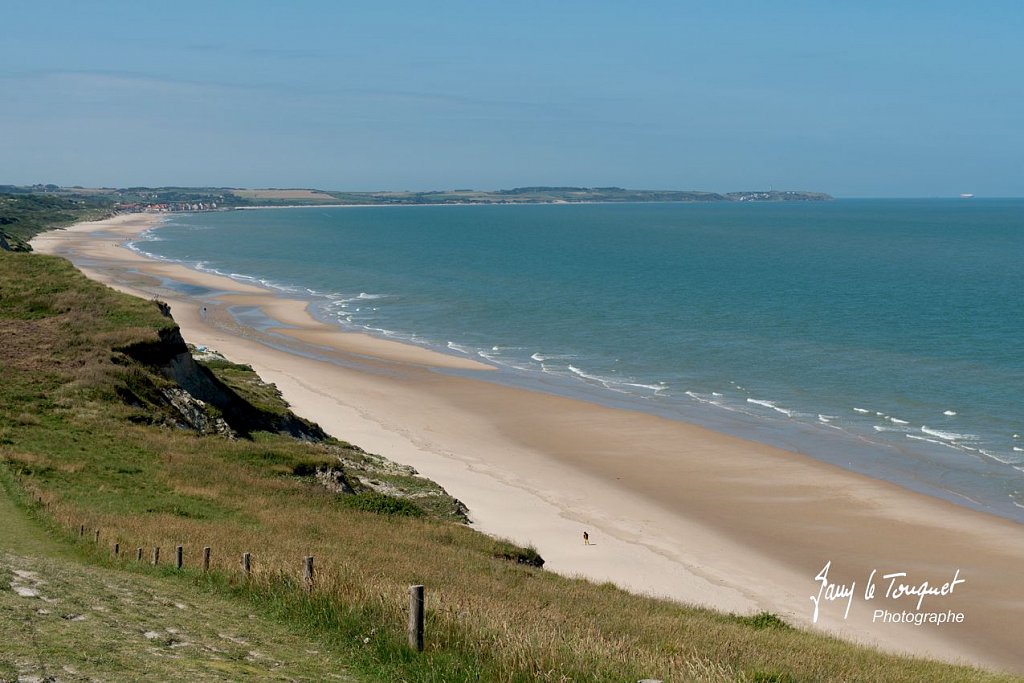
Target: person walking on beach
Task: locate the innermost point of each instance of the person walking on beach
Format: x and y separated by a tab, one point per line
586	538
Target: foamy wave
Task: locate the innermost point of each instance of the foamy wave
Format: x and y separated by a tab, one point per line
134	246
458	347
862	411
346	299
656	388
993	456
826	418
541	357
947	444
948	436
887	428
897	421
204	267
593	378
1018	450
770	404
486	356
949	413
711	401
575	370
608	383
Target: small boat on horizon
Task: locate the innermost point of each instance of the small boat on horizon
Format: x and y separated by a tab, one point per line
966	195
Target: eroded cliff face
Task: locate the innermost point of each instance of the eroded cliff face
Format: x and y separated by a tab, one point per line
197	389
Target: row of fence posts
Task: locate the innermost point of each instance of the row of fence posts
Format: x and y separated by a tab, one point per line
415	627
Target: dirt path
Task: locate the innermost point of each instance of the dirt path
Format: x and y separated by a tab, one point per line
62	620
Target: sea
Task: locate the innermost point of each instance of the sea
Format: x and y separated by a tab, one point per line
883	336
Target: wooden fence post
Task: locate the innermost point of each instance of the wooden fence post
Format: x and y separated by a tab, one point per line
81	531
97	539
156	555
416	618
138	555
247	564
180	556
117	550
206	559
308	573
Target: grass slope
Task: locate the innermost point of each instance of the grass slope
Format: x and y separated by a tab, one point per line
68	439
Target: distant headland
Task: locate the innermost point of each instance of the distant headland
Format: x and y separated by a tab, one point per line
207	198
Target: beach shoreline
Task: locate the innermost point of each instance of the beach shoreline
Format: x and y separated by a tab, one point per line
674	510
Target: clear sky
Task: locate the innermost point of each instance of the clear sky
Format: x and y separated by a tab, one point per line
854	98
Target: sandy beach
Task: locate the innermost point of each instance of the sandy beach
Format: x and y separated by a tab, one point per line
673	510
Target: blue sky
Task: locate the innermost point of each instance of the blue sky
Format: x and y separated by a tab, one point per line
856	99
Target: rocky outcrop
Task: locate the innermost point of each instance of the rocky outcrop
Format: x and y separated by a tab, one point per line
196	413
371	472
334	479
12	243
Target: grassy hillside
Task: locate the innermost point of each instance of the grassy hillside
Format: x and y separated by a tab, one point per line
89	437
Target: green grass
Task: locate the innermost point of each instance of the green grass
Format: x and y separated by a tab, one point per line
763	620
507	550
382	504
68	438
248	385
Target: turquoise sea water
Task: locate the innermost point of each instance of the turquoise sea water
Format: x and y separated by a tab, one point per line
886	336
